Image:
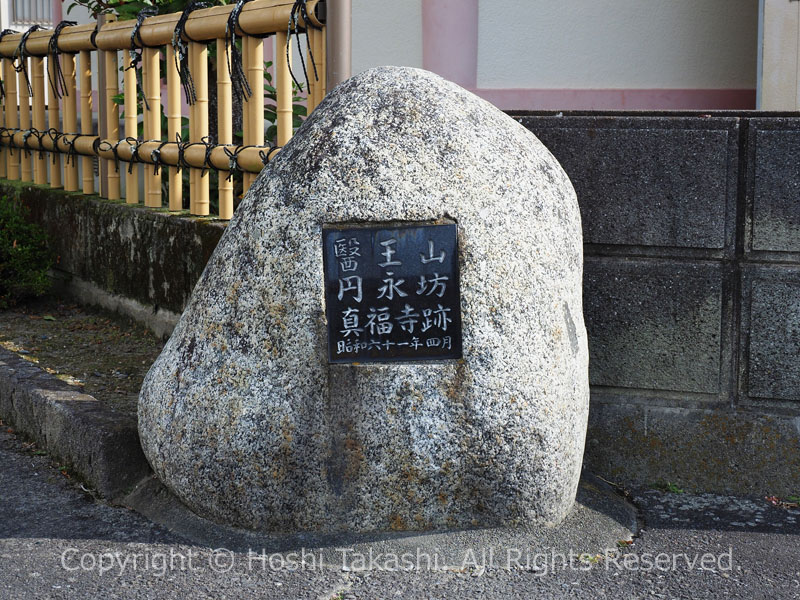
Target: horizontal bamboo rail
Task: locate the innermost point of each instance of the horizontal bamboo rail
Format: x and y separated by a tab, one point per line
251	160
257	18
31	122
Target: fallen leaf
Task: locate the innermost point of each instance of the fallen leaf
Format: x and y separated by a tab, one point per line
775	501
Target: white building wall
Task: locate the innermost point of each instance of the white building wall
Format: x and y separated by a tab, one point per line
602	44
780	56
78	14
386	32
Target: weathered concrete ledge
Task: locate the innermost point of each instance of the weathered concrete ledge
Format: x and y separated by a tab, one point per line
159	320
142	263
727	451
100	445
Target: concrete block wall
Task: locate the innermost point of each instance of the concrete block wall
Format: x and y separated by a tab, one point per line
691	294
139	262
770	353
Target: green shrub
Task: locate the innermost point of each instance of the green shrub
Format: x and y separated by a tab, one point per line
24	255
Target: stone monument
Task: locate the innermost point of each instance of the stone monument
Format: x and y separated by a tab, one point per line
389	335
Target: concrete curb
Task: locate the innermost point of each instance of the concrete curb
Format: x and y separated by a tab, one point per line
100	445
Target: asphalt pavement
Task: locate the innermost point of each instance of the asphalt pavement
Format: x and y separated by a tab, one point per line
58	541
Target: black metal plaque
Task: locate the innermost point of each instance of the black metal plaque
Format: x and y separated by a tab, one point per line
392	293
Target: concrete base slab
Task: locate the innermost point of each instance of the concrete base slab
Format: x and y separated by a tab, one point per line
599	519
159	320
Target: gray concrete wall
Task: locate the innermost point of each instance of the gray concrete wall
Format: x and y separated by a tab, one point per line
692	287
691	294
139	262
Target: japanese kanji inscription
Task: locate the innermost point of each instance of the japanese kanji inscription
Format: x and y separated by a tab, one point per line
392	293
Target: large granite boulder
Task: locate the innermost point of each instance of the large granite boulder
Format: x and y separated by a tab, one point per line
244	418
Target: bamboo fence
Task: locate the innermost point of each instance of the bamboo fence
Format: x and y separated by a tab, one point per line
42	135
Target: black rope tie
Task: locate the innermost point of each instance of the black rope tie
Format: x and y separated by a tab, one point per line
180	43
25	135
233	157
206	142
233	56
3	34
267	156
209	145
115	150
33	132
55	75
134	143
155	156
182	164
136	45
39	135
104	145
4	134
233	160
8	133
71	152
93	36
22	54
55	135
299	10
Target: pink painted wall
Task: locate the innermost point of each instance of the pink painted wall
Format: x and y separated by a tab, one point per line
450	39
450	42
631	99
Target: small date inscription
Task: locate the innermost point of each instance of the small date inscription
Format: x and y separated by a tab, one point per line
392	293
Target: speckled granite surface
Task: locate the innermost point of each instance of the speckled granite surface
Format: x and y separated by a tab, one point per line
243	418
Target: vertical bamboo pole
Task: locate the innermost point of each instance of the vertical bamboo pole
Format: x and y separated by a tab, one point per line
283	85
112	119
131	129
37	81
12	119
313	85
174	128
146	123
319	59
247	130
54	121
70	118
4	154
255	107
323	69
200	75
193	183
87	162
317	86
152	121
224	129
24	123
